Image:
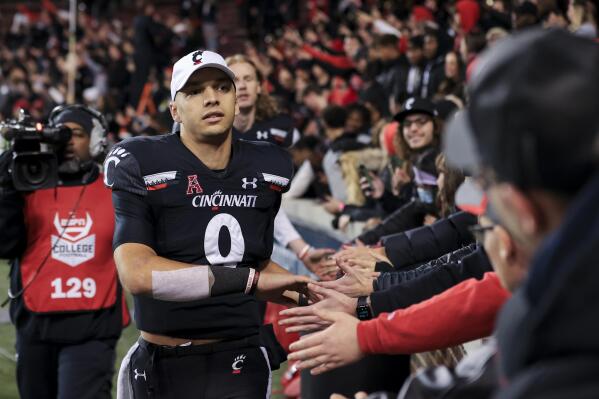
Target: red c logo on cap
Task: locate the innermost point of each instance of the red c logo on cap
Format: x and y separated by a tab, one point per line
197	57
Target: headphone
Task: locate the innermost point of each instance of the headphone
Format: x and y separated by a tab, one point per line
97	145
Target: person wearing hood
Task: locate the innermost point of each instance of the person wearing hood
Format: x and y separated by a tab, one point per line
433	72
412	84
393	66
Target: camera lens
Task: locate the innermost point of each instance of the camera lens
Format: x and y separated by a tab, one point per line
33	171
36	172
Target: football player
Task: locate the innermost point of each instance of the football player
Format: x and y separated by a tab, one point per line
193	238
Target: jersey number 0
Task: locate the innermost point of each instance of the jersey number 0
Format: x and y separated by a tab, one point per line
211	248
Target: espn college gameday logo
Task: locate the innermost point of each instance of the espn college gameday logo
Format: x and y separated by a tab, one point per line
73	244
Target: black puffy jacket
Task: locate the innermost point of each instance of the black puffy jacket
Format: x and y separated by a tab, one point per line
389	279
425	243
430	283
409	216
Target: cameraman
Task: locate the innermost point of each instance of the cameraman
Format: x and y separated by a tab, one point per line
66	302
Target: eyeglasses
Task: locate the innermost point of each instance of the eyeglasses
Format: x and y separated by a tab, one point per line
479	231
419	122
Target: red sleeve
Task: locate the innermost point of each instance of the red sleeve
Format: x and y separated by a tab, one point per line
32	16
338	61
464	312
49	6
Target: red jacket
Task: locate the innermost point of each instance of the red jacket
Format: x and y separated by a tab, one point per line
469	11
463	313
337	61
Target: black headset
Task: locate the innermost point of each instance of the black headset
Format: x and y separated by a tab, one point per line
98	144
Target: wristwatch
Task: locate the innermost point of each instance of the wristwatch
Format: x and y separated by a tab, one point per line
363	309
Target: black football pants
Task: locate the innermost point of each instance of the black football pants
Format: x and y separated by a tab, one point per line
223	370
65	371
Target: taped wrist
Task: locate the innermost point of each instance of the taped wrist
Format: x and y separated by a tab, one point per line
193	283
181	285
229	280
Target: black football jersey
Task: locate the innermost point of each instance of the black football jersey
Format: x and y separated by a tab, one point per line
278	130
166	198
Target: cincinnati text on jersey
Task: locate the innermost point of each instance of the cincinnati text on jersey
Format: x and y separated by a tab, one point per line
224	200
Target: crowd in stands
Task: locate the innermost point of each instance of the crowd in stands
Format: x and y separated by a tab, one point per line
370	87
342	72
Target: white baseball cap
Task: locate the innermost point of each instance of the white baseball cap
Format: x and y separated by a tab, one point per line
193	61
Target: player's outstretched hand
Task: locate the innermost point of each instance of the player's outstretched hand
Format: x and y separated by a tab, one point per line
272	287
304	318
356	282
331	348
353	256
363	253
317	261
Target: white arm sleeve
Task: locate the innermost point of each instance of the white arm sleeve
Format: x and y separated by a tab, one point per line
284	231
181	285
301	181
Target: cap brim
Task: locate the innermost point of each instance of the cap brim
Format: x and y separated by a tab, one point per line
223	68
459	145
400	116
471	198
